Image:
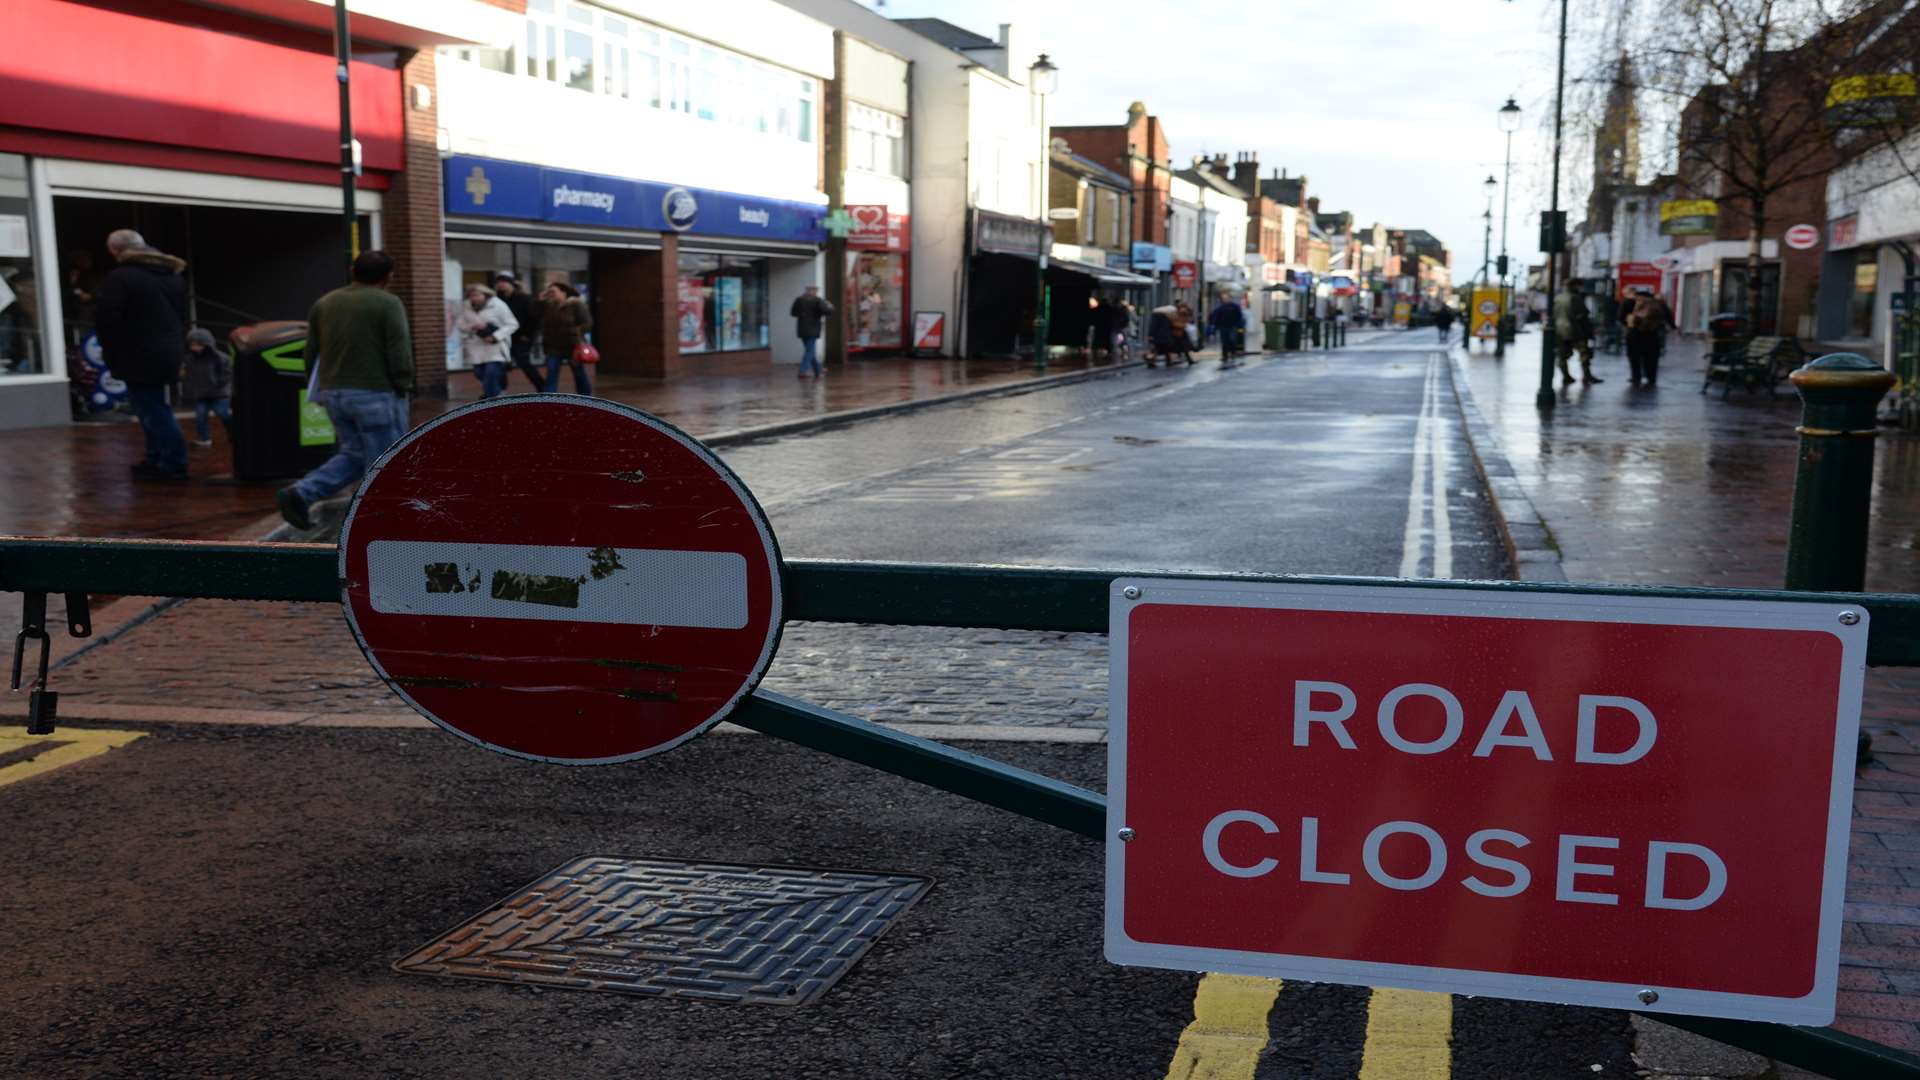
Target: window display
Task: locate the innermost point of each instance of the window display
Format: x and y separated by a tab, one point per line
723	303
21	351
877	288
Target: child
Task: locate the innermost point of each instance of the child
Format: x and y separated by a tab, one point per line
208	384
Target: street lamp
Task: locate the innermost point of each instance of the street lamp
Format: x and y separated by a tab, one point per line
1509	122
1042	78
1554	230
1486	245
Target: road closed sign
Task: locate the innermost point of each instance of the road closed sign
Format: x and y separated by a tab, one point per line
1635	803
561	578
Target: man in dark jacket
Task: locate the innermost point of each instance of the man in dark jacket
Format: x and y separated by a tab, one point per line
810	314
1228	321
507	288
141	320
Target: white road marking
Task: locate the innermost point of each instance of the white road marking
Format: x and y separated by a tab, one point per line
1410	540
1442	458
1427	491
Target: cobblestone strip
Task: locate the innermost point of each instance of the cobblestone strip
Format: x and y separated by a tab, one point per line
1530	544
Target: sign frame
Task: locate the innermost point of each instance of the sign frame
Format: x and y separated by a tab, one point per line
775	618
1815	1008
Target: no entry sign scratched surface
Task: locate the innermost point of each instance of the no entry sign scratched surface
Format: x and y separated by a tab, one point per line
561	578
1628	802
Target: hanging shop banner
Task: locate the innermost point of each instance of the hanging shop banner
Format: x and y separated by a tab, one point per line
1689	217
1872	100
1186	274
488	187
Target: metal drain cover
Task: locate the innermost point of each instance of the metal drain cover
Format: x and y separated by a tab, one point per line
762	935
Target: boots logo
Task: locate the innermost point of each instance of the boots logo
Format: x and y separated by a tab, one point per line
679	208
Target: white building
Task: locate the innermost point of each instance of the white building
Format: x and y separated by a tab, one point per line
663	158
1223	228
1873	228
976	146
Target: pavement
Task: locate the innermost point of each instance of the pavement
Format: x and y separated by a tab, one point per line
270	781
1669	486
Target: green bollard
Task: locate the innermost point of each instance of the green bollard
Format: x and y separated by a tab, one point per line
1833	489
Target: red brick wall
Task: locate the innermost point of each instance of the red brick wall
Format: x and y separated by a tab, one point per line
412	228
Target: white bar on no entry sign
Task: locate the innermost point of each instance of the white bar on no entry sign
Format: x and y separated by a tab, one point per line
636	586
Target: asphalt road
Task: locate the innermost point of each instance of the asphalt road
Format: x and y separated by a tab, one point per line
229	901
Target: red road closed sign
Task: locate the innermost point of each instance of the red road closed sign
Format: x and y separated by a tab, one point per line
561	578
1626	802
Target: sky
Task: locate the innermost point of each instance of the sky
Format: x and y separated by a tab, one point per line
1388	106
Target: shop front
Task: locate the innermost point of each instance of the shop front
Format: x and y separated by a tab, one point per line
1003	283
678	278
878	271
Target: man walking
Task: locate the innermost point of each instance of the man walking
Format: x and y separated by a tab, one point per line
1228	321
1573	326
1443	319
1648	321
141	320
810	313
360	349
507	287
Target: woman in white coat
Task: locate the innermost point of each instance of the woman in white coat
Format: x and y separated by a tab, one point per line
486	329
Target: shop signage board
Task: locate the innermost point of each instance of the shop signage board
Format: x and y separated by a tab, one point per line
1549	798
876	228
1845	230
929	331
1689	217
561	578
489	187
1186	274
1803	237
1152	258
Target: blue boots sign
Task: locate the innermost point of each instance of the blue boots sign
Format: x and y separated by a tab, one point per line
488	187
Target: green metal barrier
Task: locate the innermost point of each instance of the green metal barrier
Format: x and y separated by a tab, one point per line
911	594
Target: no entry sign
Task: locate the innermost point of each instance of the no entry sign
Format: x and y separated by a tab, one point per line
1625	802
1803	237
561	578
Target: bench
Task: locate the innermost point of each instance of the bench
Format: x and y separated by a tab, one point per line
1759	361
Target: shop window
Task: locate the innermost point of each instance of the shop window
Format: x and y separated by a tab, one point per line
723	303
878	286
22	349
1866	282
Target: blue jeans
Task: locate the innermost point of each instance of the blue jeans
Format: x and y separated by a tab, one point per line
166	445
493	379
217	406
810	356
365	422
582	381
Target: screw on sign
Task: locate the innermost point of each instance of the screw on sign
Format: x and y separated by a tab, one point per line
1803	237
1625	802
561	578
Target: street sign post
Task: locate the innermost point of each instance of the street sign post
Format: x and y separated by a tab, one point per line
561	578
1637	803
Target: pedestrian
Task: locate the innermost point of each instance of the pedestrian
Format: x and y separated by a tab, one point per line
1229	322
361	355
810	313
1160	331
1573	331
1443	319
208	383
564	322
140	320
507	287
1183	332
486	327
1648	321
1100	322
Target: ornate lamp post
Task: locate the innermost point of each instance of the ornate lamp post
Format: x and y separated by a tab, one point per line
1043	79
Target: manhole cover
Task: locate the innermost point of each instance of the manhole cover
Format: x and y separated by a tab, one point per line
764	935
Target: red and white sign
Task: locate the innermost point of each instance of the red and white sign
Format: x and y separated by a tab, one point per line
1803	237
1186	274
1635	276
929	330
1627	802
1845	230
875	228
1272	273
561	578
1667	262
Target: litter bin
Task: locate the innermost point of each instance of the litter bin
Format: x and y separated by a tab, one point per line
276	432
1725	331
1276	334
1293	334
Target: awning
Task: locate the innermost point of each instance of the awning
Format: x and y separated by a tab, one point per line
1105	275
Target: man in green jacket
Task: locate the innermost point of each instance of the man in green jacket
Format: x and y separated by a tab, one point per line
361	352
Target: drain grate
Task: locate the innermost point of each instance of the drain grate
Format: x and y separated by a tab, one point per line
762	935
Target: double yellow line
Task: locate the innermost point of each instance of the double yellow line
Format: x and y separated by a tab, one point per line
1409	1032
61	748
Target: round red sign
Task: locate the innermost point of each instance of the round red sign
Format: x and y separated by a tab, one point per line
561	578
1803	237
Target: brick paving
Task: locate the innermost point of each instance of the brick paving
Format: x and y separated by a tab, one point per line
1669	486
73	481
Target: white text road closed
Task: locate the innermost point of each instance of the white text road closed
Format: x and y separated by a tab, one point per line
635	586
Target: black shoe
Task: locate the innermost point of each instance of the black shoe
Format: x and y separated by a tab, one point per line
158	475
293	508
1592	379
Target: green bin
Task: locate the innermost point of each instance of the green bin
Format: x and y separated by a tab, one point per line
1276	330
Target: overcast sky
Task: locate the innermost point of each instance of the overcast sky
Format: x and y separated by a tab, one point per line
1388	106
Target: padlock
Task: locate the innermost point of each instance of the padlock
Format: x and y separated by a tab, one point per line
41	708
